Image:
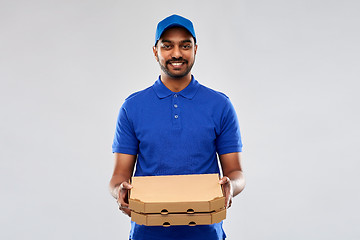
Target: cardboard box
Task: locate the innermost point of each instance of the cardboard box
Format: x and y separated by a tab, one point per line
176	194
178	218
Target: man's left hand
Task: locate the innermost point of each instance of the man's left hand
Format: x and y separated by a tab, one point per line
228	190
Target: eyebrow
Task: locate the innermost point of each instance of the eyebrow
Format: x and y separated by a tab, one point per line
165	41
186	41
168	41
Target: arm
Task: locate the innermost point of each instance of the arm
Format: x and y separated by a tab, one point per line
119	183
233	181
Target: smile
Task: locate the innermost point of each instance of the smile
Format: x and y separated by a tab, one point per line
176	64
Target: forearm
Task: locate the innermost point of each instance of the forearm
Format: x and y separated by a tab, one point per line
237	181
123	170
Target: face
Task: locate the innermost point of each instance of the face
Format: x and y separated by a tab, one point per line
175	52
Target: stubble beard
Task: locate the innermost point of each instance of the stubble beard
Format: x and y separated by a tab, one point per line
166	70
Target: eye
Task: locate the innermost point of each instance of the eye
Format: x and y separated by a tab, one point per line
166	46
187	46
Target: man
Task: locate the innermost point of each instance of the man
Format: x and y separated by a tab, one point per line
176	126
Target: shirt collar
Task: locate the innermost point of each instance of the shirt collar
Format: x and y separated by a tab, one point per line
189	92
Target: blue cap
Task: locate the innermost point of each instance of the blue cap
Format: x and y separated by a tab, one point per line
174	21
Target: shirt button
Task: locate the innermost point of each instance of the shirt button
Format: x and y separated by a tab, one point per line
176	116
175	95
175	105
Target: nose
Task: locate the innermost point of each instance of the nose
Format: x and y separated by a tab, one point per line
176	53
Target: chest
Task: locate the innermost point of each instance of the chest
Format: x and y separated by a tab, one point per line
176	120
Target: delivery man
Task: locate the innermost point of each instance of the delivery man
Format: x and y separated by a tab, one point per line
176	126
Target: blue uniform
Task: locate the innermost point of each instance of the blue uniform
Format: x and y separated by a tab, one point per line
177	133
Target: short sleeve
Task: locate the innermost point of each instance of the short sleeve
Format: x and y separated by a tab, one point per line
125	140
229	139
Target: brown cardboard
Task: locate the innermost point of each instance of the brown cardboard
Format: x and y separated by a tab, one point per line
176	194
178	218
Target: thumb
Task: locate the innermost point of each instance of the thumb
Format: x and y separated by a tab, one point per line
126	185
224	180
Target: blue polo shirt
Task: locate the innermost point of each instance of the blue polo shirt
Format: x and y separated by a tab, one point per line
177	133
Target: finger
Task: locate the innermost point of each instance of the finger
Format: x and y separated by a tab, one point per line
125	185
125	210
227	200
123	193
224	180
227	191
230	202
122	200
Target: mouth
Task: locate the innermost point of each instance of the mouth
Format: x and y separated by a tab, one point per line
177	64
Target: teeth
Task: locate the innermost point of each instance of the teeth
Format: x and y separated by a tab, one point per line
176	64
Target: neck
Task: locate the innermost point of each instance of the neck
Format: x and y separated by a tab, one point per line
175	84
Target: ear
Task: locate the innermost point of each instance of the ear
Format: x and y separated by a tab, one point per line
155	51
195	49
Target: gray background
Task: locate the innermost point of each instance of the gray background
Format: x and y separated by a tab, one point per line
291	69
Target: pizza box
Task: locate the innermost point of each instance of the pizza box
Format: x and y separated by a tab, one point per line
173	219
197	193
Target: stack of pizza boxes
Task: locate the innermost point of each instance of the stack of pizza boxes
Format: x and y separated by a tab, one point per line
177	200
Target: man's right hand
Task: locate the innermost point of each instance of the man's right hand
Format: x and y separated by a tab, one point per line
122	200
119	183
